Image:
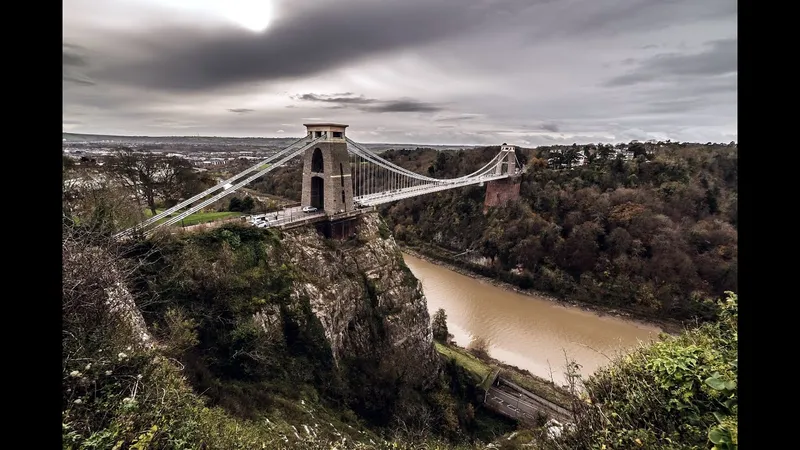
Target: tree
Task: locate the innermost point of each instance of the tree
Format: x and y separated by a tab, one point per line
235	204
439	326
537	163
97	203
638	149
479	347
148	175
242	205
248	204
192	183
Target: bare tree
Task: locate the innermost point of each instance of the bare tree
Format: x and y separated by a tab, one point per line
97	203
149	175
479	347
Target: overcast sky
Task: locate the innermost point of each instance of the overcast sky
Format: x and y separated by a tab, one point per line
526	72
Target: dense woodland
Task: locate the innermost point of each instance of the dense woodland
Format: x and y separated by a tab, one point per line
654	235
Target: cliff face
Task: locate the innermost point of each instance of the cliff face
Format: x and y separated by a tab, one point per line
95	293
370	305
277	311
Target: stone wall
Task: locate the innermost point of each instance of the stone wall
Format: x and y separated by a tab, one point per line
500	192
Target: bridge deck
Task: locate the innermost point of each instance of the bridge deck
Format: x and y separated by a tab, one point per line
399	194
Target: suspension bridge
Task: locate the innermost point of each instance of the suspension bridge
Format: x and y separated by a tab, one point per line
341	178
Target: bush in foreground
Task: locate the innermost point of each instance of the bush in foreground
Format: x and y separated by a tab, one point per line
678	393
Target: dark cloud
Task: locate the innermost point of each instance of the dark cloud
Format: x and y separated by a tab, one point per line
77	79
719	59
320	39
457	118
346	99
442	66
614	18
74	62
341	101
550	126
403	106
313	38
71	55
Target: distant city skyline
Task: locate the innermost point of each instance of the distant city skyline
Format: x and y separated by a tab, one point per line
439	72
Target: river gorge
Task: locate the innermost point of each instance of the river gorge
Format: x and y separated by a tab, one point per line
526	331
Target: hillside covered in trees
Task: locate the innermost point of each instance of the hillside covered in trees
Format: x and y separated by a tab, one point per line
652	234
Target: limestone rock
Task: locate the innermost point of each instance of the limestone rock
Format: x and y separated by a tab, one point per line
369	303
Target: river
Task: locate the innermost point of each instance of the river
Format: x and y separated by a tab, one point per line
525	331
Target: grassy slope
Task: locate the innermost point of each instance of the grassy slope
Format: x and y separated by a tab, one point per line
475	366
199	217
480	369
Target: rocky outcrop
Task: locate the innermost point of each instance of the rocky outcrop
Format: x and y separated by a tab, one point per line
120	301
95	293
370	305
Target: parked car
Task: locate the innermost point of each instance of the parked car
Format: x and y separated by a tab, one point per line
309	209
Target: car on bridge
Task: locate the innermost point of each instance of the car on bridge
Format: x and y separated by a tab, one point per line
309	209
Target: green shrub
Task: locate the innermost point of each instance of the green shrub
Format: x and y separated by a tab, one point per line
680	392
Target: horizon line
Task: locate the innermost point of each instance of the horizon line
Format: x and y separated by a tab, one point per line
735	141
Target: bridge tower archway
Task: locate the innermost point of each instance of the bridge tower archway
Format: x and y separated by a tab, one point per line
317	164
318	192
327	180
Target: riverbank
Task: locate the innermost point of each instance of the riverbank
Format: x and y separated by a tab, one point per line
667	326
482	366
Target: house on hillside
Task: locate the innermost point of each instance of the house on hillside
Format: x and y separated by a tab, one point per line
566	157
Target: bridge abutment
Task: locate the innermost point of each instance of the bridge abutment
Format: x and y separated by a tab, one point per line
338	229
500	192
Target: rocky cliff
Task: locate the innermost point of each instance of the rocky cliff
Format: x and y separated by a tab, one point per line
95	294
370	305
294	308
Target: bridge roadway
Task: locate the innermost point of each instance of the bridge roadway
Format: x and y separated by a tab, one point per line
518	405
287	216
294	216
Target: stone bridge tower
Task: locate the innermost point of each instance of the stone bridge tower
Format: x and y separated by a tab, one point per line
499	192
327	182
508	160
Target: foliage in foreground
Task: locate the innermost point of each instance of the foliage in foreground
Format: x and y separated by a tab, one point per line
181	387
679	393
141	400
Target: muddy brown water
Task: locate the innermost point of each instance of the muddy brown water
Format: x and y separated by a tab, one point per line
526	331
